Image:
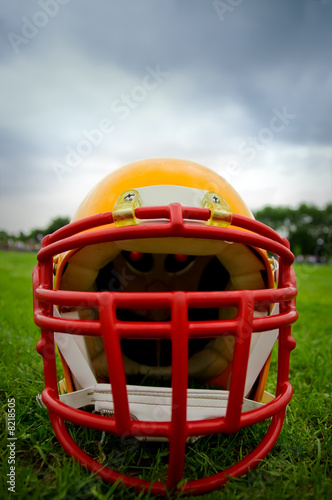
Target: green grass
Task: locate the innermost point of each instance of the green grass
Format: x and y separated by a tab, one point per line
298	467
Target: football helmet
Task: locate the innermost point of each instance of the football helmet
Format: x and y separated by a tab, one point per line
166	303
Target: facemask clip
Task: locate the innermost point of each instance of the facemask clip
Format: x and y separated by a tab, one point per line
220	212
124	208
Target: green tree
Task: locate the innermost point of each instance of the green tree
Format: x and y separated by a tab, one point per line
55	224
308	228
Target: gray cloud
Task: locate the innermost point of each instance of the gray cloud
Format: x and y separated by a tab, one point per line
63	71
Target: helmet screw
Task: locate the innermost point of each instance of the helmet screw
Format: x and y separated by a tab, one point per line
215	199
129	197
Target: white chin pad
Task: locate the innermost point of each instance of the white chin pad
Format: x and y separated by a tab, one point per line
155	403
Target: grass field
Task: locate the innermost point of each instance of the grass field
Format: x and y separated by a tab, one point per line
299	466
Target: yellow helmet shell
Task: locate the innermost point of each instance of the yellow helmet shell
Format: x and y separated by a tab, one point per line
153	172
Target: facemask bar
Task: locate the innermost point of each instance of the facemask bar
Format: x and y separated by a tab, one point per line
179	329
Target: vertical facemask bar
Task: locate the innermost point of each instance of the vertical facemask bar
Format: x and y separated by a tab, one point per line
178	430
42	277
286	341
240	362
115	366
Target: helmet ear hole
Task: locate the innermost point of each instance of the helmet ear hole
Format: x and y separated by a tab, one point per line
175	263
181	257
135	256
141	262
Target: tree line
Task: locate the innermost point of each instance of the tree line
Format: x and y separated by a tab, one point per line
32	239
308	229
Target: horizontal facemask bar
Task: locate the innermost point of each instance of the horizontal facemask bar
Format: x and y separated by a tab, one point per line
140	300
209	420
77	234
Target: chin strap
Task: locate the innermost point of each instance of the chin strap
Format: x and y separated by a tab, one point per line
155	403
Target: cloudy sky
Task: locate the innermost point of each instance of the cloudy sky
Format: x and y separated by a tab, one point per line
241	86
